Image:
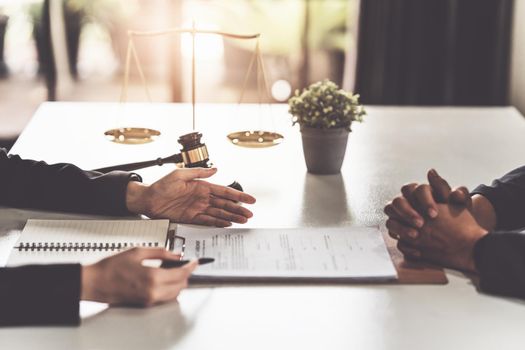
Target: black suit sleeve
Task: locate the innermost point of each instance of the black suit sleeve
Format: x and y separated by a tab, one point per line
40	294
500	256
63	187
507	196
49	294
500	260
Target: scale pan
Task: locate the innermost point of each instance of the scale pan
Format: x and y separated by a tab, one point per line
132	136
255	139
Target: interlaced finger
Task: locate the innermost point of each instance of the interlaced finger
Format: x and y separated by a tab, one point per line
408	250
424	201
461	196
398	230
440	187
408	191
406	212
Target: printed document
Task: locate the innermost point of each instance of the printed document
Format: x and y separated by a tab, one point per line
351	253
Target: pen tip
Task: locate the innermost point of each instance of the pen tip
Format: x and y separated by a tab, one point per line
206	260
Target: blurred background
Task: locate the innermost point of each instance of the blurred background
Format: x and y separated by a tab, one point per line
397	52
94	50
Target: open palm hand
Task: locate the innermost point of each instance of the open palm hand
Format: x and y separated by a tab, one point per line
180	196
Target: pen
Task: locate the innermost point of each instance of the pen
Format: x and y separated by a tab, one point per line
167	264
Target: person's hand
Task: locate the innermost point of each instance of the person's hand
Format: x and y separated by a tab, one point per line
180	196
122	279
419	202
448	239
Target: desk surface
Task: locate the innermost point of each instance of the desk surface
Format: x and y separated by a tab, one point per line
393	146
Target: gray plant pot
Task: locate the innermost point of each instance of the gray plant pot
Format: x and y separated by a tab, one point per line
324	149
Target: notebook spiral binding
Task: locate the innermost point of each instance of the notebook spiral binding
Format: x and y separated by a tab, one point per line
57	246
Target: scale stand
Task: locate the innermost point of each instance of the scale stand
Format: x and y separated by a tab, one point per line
138	135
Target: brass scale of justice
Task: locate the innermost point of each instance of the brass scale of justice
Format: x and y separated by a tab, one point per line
193	153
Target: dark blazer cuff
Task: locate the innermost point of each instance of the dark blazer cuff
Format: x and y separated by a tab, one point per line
112	188
40	295
499	259
485	264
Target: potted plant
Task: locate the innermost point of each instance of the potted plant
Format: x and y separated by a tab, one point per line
325	114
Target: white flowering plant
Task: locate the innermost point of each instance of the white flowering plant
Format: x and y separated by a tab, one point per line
323	105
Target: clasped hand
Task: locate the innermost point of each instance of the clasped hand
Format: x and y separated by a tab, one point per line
435	223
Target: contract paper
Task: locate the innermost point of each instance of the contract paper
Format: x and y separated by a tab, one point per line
352	253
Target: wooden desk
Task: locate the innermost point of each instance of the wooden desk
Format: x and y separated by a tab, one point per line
394	145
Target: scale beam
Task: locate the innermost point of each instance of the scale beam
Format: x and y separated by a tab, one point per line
252	138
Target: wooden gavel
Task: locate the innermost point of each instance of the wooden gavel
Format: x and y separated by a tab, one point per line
194	154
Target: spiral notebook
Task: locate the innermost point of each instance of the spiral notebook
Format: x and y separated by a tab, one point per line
84	241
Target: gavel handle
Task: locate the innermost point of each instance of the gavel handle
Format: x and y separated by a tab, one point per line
176	158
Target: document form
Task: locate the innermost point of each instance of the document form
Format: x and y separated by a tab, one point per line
352	253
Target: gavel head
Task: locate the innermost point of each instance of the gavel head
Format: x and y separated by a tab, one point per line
194	153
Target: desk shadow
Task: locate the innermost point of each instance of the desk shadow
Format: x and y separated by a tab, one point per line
473	280
324	201
159	327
